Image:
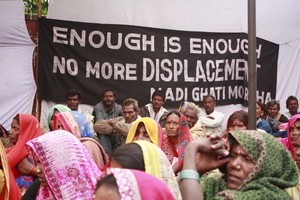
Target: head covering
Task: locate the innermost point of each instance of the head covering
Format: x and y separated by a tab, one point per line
184	137
96	151
138	185
68	167
10	190
60	108
75	122
157	164
274	169
289	144
153	129
29	129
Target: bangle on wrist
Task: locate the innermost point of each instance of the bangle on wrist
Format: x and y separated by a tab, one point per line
189	174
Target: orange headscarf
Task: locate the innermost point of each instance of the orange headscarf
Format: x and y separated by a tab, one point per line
184	137
29	128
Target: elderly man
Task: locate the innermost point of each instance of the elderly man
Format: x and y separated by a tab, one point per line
211	119
192	112
119	127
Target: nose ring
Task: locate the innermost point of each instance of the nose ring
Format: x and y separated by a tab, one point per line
38	171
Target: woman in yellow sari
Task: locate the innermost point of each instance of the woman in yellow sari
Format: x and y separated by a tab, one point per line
145	156
8	186
147	129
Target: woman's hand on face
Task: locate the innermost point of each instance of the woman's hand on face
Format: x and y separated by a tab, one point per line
206	153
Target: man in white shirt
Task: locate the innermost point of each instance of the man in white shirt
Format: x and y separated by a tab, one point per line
211	119
292	105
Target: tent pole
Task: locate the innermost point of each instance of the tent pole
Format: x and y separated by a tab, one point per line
252	85
39	8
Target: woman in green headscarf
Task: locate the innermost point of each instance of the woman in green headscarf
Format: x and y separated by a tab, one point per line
258	167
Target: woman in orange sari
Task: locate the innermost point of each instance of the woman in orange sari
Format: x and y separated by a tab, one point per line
176	138
24	127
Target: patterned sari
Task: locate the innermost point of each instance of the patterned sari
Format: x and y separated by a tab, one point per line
75	122
274	170
60	108
69	170
184	137
157	164
153	129
138	185
294	192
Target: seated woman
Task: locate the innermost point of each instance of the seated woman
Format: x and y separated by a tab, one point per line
121	184
177	136
8	186
73	121
24	127
65	171
77	124
147	129
145	156
237	121
293	145
258	167
261	123
58	108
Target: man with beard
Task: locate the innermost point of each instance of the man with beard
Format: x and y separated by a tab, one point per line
117	128
105	110
155	109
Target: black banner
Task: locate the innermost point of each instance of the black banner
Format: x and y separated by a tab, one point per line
135	61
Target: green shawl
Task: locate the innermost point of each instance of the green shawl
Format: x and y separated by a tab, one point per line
60	108
274	170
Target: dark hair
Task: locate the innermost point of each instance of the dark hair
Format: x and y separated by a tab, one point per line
240	115
173	112
17	118
129	156
108	90
290	98
159	93
109	181
209	96
131	101
262	106
273	102
73	92
3	131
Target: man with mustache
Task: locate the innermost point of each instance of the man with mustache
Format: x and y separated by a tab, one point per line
107	109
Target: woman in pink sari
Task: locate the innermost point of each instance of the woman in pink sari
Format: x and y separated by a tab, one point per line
123	184
77	124
65	169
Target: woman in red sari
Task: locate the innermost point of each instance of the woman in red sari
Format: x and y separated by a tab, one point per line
177	136
24	127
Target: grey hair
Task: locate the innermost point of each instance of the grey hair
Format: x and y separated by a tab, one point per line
191	106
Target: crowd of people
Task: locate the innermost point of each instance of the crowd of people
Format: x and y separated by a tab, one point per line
149	152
